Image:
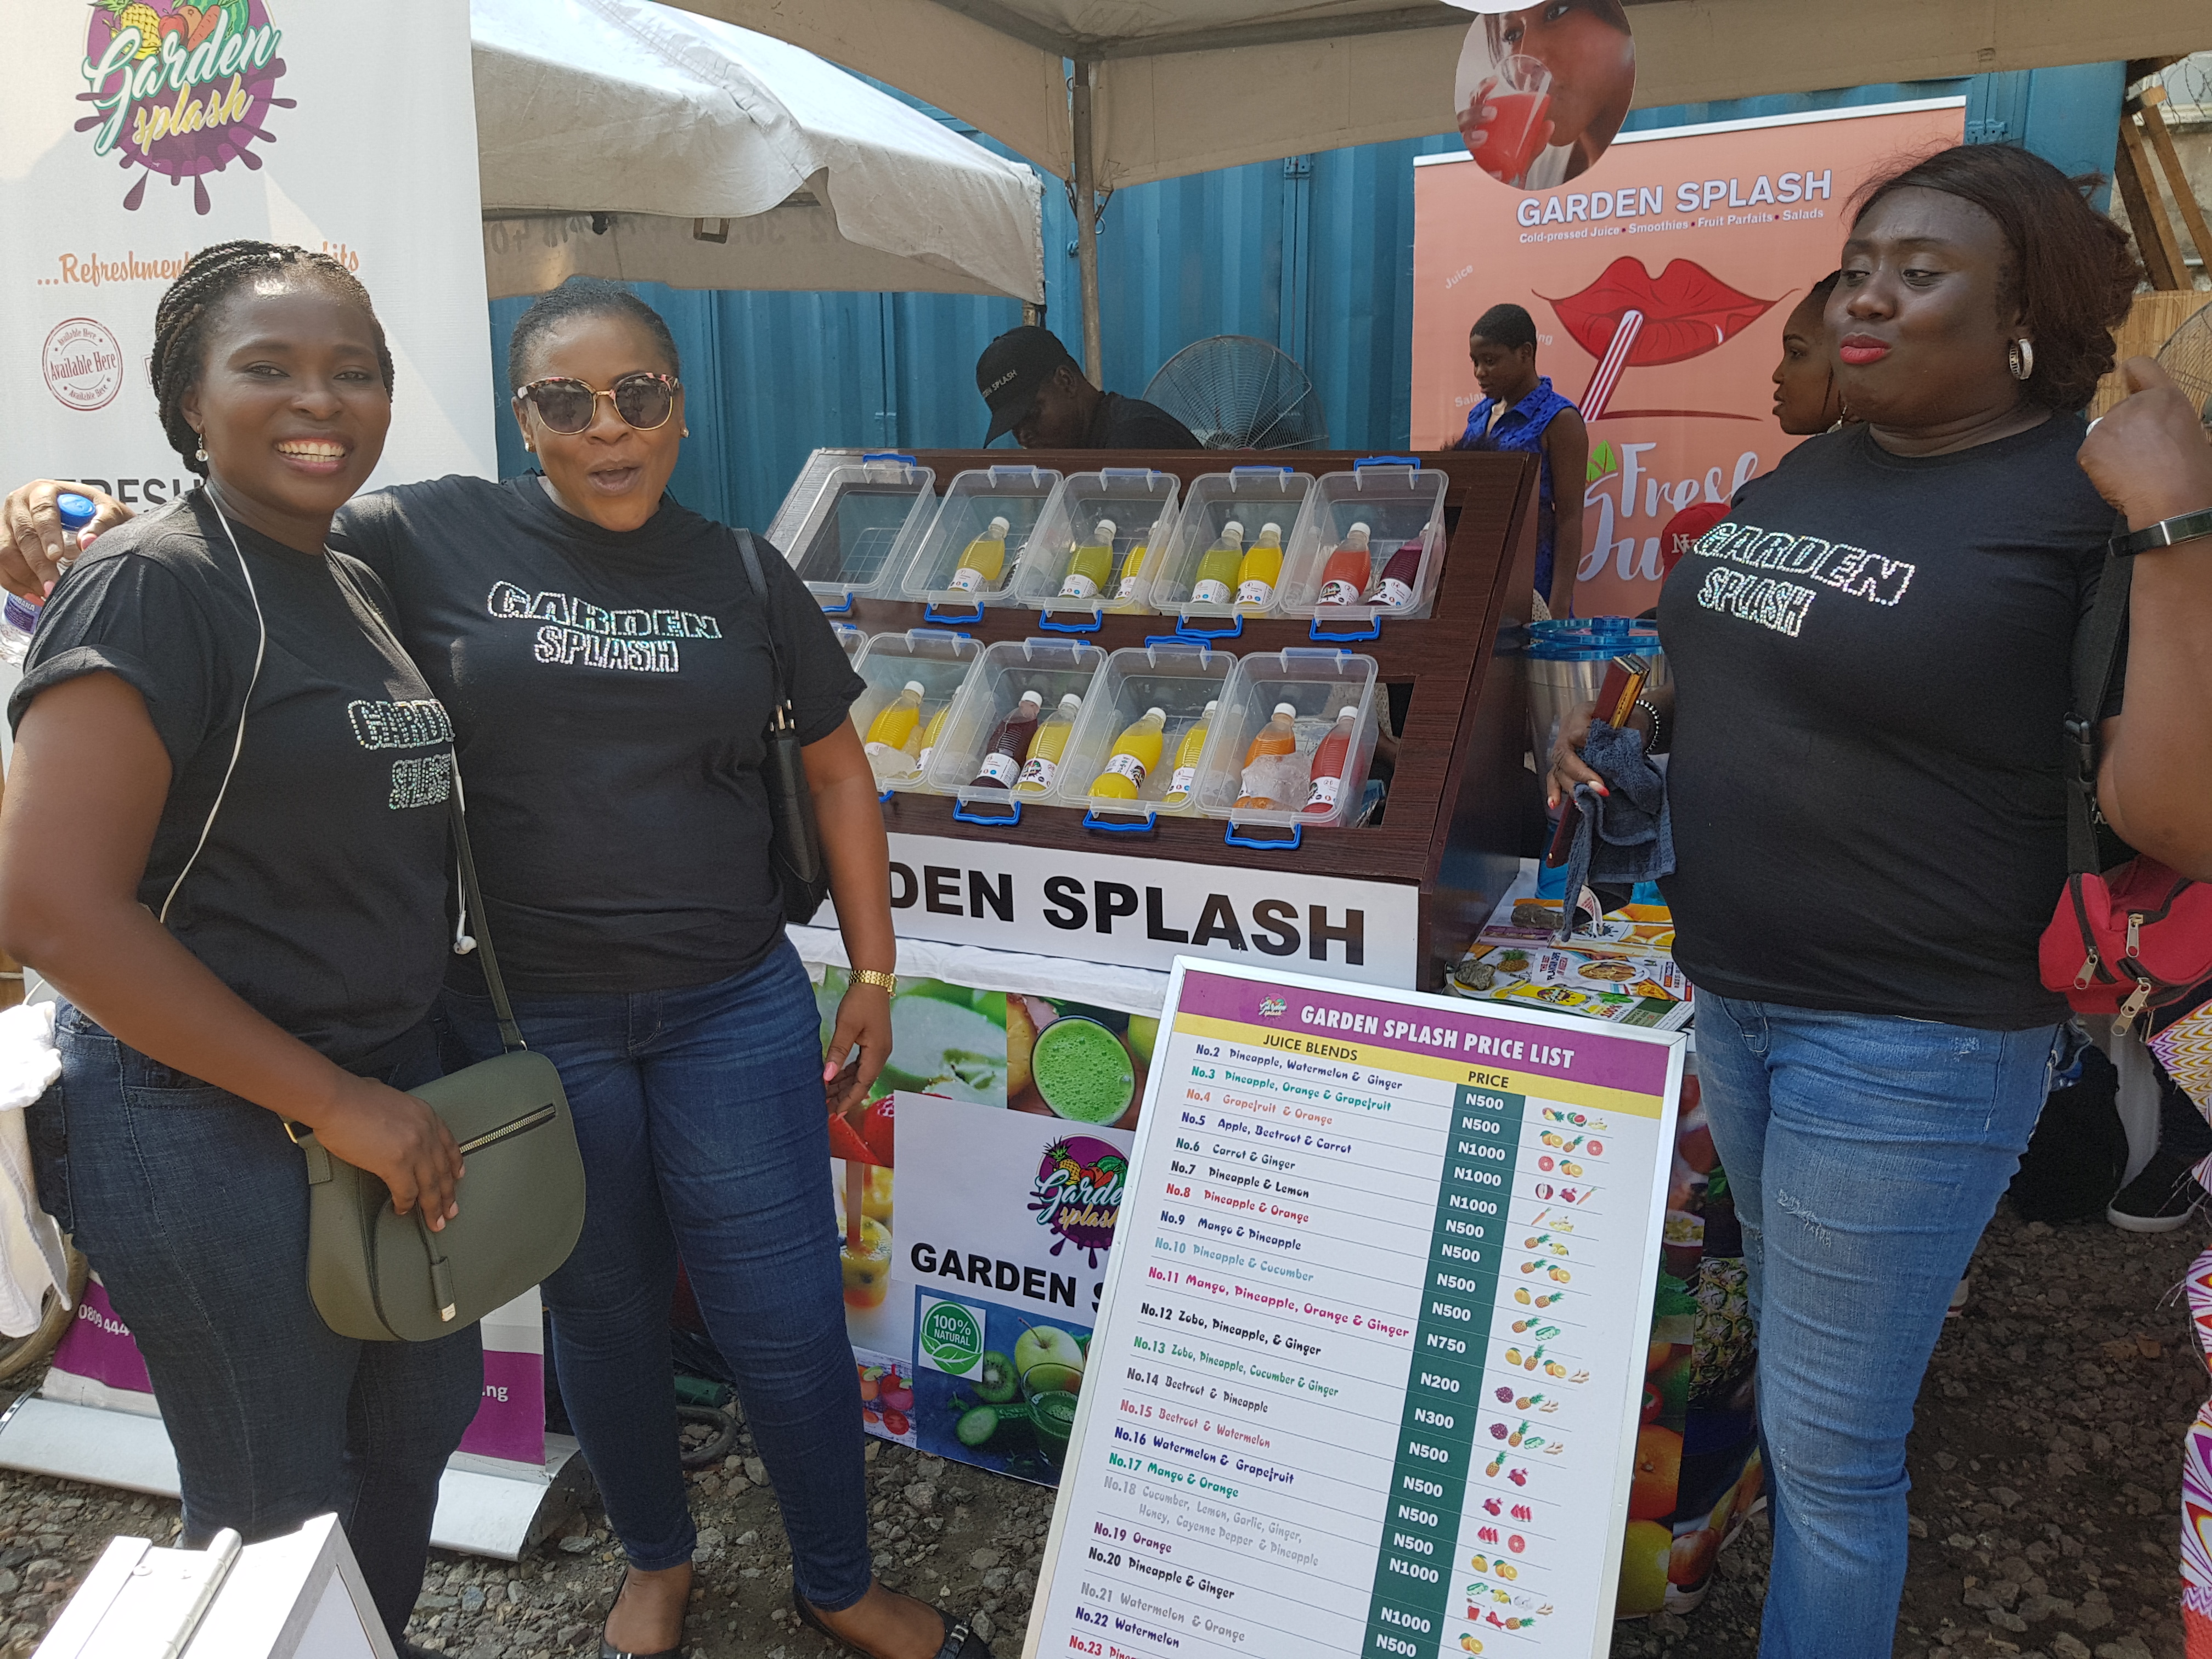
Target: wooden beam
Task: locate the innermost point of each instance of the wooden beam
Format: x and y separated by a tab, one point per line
2192	211
2154	240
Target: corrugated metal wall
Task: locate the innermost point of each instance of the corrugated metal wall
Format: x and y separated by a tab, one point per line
1314	253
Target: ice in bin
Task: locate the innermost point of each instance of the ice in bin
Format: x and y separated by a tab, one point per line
974	547
1184	681
1005	673
1282	721
938	661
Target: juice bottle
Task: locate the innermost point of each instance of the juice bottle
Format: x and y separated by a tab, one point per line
1327	777
1090	564
1136	752
985	560
890	734
929	735
1264	775
1050	742
1009	742
1132	569
19	617
1344	578
1261	567
1216	570
1186	757
1396	586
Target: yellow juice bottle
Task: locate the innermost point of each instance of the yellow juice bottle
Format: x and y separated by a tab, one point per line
890	741
1090	564
984	562
930	733
1186	757
1136	752
1050	742
1216	581
1261	567
1133	571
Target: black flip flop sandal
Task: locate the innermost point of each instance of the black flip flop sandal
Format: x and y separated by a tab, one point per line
960	1642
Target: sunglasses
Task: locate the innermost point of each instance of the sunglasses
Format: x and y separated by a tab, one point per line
568	406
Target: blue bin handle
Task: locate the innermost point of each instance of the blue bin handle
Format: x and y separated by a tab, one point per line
1372	631
884	799
845	609
1170	639
1117	824
1190	630
868	455
1097	619
932	614
1414	461
966	815
1234	838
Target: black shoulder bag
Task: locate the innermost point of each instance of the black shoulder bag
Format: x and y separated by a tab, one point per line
794	849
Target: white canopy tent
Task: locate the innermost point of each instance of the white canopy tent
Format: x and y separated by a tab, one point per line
624	139
1160	89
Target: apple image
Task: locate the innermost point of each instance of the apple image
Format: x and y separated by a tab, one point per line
1047	1344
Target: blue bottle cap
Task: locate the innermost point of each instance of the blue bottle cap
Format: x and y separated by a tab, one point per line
76	511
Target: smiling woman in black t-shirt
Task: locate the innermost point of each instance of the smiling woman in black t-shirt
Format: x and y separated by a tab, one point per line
250	778
1871	658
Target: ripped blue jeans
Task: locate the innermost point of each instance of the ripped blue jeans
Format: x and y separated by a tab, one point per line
1867	1153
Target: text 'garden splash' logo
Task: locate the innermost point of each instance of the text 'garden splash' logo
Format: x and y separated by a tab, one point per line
182	91
1077	1193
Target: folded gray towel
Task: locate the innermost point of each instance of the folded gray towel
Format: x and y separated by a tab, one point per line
1623	837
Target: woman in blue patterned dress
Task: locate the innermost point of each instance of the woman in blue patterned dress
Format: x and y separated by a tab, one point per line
1520	411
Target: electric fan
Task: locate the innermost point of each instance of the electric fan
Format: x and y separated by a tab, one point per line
2187	360
1236	392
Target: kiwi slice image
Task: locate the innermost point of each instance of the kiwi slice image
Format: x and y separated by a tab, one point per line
995	1382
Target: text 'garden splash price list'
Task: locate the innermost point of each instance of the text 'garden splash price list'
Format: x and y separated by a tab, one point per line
1437	1432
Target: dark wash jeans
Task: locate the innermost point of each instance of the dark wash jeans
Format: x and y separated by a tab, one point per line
705	1138
192	1204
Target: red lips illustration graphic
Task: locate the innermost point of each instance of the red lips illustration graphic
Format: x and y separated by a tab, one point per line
1686	310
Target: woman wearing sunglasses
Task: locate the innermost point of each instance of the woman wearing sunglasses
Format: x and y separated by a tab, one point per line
606	666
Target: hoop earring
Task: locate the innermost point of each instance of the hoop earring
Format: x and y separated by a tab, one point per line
2021	359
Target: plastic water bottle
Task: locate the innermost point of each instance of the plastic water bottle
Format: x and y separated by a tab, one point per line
19	617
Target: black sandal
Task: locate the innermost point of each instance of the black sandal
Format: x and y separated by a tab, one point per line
960	1642
609	1650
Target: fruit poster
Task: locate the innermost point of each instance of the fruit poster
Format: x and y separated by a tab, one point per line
1370	1368
1659	277
137	132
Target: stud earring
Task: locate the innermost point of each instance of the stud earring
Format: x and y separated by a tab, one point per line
2021	359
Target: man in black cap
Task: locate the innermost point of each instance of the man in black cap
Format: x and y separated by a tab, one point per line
1037	392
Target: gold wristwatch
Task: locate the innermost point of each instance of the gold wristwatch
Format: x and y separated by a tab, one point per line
877	976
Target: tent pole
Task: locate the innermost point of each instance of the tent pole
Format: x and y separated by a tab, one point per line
1087	218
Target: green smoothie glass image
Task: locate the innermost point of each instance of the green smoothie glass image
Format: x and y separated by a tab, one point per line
1083	1071
1052	1418
1050	1362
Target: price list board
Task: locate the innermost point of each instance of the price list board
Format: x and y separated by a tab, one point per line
1366	1373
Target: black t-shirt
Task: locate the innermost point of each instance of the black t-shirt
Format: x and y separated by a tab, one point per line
609	692
1121	423
1871	656
320	896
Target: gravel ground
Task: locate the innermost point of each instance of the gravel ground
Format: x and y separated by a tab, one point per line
2047	1490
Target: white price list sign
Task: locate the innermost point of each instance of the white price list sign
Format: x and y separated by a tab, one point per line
1366	1374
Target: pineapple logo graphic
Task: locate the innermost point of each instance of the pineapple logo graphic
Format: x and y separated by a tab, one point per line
178	89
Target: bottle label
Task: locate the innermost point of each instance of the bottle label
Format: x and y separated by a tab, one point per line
1255	593
1392	592
1078	587
1340	592
968	578
1128	766
1000	769
1210	593
1127	589
1180	784
21	614
1037	772
1325	789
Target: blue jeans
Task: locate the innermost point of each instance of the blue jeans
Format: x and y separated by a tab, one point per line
192	1204
705	1139
1867	1154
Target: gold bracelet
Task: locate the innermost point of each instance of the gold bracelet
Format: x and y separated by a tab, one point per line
877	976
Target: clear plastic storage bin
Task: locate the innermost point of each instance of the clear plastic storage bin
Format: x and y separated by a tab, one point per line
851	521
972	500
1253	496
1317	683
935	658
851	638
1051	669
1402	505
1178	677
1141	504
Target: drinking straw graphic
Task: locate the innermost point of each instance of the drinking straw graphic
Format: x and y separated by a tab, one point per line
1594	401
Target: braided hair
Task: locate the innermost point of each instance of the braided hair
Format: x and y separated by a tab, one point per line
583	296
181	319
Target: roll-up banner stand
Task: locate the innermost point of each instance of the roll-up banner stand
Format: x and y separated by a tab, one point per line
135	134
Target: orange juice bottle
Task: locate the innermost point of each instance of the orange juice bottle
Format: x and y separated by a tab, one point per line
1344	578
1264	760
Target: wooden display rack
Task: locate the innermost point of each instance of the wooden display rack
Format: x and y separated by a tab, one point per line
1460	805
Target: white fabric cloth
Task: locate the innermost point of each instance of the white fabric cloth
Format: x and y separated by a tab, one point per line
33	1258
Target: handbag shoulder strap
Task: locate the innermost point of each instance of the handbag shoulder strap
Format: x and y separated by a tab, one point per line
2097	644
750	552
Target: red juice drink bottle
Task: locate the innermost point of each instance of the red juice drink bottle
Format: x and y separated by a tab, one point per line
1344	578
1396	587
1009	745
1328	763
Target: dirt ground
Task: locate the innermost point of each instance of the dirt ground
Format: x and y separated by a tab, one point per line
2046	1493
